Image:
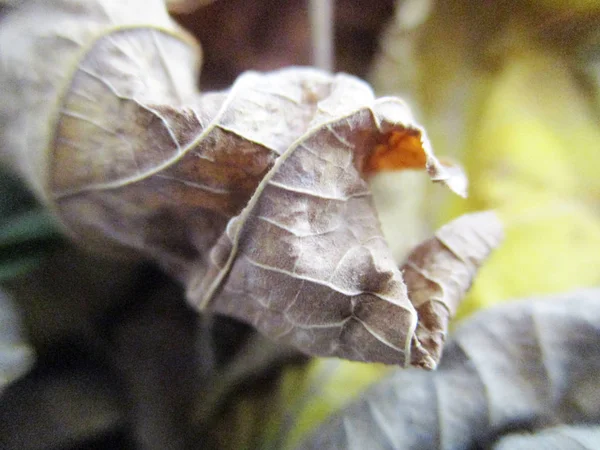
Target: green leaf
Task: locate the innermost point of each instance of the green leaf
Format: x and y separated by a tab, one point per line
27	231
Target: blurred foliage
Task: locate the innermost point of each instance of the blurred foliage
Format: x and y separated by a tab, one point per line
27	231
16	355
538	164
240	35
311	393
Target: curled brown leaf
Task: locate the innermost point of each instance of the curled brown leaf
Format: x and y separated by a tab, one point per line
255	198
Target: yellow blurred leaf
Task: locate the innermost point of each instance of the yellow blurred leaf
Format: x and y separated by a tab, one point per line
313	392
534	157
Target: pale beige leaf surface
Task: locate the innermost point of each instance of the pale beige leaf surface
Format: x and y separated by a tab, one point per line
255	198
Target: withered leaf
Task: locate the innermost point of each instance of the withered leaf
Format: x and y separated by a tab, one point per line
509	376
255	198
438	273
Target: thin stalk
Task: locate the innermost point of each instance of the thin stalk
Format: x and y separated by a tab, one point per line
321	25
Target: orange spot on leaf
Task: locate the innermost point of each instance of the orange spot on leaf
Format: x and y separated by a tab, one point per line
403	150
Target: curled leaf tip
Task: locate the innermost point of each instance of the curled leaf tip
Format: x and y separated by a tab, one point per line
404	145
451	175
438	274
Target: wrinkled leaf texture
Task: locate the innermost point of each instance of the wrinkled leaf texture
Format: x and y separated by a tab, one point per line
506	372
255	198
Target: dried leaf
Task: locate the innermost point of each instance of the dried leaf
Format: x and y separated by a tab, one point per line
255	198
307	254
517	367
439	272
